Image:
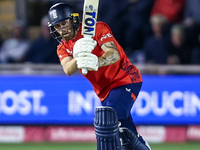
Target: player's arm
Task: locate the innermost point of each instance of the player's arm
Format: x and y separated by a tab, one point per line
110	56
69	65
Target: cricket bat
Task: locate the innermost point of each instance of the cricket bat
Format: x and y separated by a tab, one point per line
90	10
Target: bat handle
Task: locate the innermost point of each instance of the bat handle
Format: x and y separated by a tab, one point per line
84	71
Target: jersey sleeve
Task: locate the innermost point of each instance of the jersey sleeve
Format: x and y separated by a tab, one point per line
104	33
63	51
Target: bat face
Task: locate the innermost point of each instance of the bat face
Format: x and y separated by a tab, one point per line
90	11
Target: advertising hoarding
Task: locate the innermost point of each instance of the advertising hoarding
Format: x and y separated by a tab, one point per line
59	99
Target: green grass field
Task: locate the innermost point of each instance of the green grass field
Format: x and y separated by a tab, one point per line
92	146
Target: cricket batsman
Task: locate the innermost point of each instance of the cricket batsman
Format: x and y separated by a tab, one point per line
115	80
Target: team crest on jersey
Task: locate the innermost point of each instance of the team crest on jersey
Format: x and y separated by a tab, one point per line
55	14
70	52
106	36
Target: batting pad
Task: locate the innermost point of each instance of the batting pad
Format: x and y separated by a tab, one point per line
106	129
130	141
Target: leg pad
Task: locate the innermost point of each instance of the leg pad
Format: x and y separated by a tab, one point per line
106	128
130	141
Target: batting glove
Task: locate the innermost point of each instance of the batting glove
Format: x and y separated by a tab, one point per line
83	45
88	61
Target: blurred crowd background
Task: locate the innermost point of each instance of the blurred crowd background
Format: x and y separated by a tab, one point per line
150	31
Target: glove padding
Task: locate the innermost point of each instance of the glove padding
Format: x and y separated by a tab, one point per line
88	61
83	45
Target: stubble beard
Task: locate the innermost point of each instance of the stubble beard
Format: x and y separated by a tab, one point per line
68	35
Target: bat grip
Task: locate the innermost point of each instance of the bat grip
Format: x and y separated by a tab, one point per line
84	71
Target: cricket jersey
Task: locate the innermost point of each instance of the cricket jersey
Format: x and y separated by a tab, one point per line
107	77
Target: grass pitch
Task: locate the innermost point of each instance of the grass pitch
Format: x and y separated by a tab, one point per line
91	146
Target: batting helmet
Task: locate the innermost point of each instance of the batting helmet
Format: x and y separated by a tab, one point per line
59	13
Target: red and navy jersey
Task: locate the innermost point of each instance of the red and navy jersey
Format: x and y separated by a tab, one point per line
107	77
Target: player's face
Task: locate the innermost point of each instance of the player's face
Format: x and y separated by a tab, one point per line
65	29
